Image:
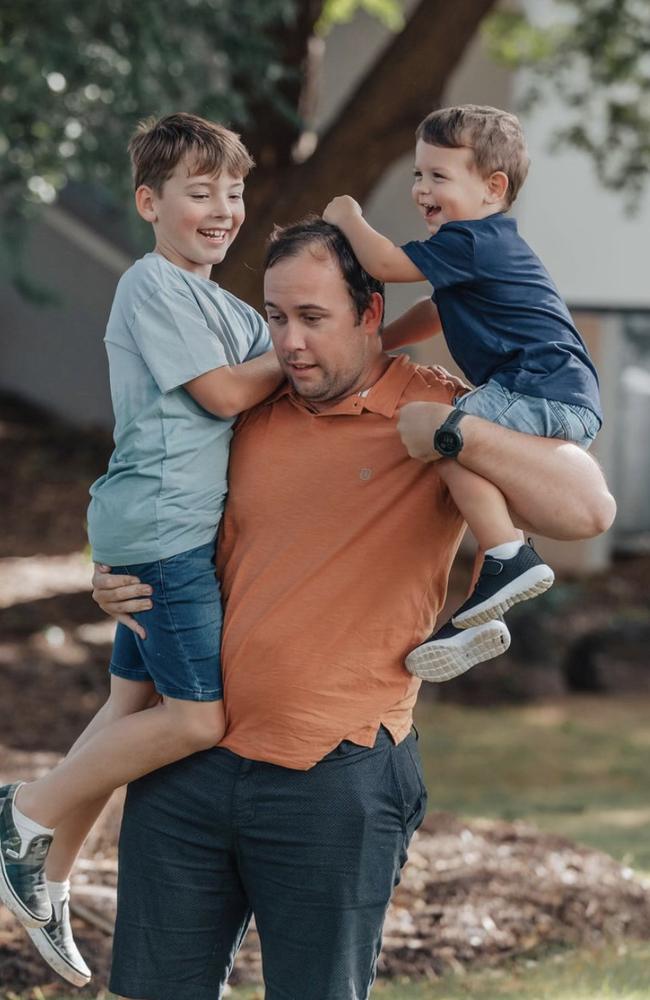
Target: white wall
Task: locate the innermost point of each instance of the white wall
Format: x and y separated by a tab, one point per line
54	356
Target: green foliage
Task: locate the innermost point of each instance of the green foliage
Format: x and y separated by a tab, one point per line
390	12
77	77
597	60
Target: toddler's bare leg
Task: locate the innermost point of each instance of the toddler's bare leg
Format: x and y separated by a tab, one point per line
482	505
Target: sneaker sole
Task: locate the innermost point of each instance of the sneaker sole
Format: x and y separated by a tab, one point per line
56	960
530	584
448	658
15	904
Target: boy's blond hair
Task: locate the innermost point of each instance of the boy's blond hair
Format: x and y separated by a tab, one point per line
158	145
494	136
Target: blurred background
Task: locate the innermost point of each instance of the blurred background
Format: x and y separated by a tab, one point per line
327	95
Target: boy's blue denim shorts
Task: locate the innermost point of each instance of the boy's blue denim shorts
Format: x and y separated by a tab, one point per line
181	654
531	414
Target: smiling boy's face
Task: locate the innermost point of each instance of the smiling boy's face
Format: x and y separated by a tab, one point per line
195	217
447	187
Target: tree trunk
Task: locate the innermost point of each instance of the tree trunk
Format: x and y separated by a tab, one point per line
374	128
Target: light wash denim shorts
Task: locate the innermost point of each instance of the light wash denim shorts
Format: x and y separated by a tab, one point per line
531	414
181	653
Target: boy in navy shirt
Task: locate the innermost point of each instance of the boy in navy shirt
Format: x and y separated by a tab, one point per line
508	330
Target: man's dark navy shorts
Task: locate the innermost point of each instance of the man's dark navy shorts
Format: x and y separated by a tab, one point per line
314	855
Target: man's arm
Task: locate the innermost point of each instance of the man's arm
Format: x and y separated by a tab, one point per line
229	390
553	487
376	253
418	323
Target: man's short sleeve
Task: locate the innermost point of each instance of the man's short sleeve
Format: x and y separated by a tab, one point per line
174	339
447	258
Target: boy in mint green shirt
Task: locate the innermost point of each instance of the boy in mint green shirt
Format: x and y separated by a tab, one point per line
185	358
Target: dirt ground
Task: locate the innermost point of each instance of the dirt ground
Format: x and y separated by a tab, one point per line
478	892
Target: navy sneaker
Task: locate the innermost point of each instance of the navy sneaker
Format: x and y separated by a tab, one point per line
451	651
23	886
502	583
56	945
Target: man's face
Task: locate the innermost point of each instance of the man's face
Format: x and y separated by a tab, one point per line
325	351
196	217
447	187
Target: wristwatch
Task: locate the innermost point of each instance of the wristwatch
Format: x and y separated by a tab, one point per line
448	440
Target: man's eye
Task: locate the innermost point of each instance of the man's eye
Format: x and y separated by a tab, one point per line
274	318
236	197
199	197
312	319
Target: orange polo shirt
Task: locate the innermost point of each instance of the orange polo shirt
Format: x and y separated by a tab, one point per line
334	554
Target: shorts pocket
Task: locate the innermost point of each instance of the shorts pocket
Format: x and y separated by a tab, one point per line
409	782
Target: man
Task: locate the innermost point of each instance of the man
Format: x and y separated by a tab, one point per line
334	556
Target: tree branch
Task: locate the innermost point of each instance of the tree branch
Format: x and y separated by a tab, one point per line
374	128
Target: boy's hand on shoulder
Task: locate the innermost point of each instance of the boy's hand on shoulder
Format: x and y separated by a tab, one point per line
340	209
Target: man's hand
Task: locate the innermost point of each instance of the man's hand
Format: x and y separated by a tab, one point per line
417	424
340	209
120	596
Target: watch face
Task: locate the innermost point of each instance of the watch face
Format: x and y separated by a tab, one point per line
447	441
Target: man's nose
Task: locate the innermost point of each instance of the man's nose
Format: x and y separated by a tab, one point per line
293	337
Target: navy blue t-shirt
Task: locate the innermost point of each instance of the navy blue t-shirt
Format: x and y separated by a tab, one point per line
502	315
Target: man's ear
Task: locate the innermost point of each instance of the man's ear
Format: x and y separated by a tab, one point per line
497	185
374	314
145	203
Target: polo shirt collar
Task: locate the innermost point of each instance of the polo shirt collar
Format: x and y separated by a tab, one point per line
383	397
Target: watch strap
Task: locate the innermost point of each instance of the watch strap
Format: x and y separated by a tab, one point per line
453	420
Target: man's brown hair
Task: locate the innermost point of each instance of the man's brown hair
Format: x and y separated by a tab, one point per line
159	144
494	136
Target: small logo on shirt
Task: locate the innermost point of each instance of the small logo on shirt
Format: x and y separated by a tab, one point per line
365	474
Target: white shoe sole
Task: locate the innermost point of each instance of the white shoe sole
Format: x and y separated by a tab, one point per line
533	582
56	960
447	658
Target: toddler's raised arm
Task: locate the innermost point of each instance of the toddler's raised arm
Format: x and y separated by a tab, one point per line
376	253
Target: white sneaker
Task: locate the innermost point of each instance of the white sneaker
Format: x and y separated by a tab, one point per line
451	651
56	945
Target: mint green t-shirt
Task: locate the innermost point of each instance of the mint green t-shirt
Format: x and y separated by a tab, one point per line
166	483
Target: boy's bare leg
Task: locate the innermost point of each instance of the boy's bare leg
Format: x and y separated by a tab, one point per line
126	698
120	752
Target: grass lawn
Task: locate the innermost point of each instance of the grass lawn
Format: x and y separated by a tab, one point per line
608	974
577	767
